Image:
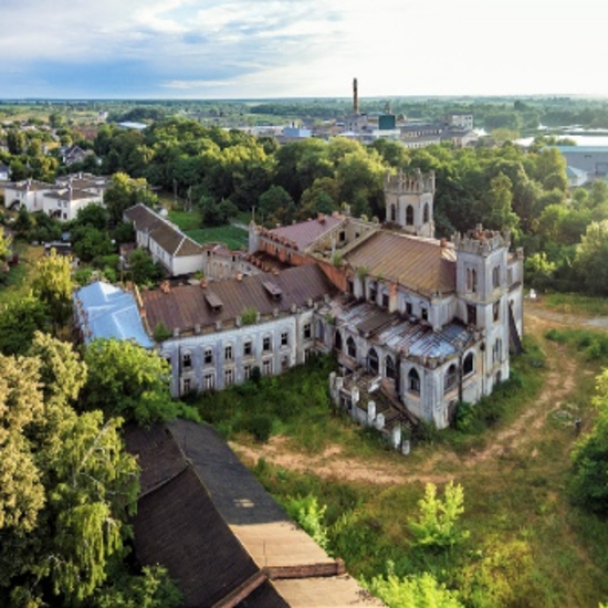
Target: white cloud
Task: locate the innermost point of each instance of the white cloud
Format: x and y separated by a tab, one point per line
316	47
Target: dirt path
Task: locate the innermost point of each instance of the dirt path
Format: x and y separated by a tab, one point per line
520	435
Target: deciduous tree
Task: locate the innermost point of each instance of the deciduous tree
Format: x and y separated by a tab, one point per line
53	285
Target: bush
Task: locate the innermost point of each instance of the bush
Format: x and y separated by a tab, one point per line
161	333
260	426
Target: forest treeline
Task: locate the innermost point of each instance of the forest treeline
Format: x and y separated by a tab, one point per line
509	187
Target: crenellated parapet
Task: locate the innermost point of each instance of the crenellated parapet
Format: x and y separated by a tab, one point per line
481	241
410	183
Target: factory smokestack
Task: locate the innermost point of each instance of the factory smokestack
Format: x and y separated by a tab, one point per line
355	98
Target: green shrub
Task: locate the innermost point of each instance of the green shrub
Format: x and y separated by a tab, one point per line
260	426
249	316
161	333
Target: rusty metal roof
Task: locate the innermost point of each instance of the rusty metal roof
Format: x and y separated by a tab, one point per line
411	337
422	265
184	307
304	234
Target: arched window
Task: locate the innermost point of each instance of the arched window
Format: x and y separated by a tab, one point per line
425	214
351	348
413	381
473	280
338	340
389	367
450	378
468	365
409	216
372	361
393	213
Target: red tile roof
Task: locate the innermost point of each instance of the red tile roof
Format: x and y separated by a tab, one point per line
305	233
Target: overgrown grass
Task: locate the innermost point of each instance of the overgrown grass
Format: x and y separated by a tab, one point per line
570	303
232	236
186	220
592	344
296	405
503	405
528	546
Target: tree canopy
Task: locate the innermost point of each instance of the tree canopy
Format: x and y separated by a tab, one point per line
66	484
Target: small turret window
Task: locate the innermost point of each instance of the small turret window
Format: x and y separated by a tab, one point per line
372	360
413	381
496	277
389	365
409	216
351	347
450	378
425	214
468	366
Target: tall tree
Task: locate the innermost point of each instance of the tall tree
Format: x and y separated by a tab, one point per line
127	380
65	482
20	318
53	285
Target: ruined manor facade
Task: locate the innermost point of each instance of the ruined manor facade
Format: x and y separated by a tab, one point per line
417	324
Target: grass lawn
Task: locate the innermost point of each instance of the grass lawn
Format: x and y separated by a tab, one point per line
190	221
186	220
231	236
572	303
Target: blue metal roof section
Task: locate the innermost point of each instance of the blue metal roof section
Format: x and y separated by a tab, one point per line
409	336
105	311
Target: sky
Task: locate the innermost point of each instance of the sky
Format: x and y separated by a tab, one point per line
251	49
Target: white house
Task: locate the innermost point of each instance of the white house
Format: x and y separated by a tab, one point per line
178	253
61	200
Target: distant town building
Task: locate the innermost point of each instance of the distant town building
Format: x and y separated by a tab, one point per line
61	200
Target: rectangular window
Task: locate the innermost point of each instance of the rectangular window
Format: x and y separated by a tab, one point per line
385	300
186	386
424	313
307	353
266	344
307	331
284	363
209	381
248	348
228	353
247	372
471	314
408	309
229	377
186	361
208	356
496	311
267	367
284	339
